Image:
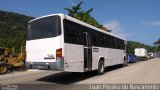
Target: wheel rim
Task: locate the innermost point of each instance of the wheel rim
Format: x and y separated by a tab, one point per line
3	69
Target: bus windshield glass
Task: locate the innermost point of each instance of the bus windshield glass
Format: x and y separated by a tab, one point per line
44	28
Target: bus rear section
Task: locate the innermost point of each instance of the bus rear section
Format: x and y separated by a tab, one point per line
44	44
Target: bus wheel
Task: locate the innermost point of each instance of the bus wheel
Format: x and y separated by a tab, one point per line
3	69
101	67
125	62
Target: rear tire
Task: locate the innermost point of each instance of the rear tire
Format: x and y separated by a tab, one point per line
101	67
3	69
125	61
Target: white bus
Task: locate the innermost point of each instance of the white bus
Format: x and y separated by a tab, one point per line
60	42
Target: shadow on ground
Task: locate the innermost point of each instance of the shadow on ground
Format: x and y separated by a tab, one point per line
69	77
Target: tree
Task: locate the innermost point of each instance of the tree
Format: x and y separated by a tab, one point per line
84	16
158	45
157	42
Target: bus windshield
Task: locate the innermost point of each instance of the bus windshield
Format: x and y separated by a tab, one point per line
44	28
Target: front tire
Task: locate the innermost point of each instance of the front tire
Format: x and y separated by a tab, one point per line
101	67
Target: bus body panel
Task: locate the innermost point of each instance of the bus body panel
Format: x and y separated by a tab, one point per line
74	58
111	56
41	53
38	50
121	56
97	52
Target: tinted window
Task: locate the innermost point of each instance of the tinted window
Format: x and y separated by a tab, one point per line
72	32
44	28
100	39
121	44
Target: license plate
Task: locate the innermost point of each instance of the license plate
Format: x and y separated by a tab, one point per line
40	67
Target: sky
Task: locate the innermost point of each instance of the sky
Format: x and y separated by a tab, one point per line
135	20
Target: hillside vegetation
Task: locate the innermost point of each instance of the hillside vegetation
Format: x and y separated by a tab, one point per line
132	45
13	28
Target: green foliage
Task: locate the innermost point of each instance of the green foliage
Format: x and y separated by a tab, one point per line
13	29
75	10
84	16
132	45
157	42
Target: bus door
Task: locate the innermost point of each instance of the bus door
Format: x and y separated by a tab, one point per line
87	51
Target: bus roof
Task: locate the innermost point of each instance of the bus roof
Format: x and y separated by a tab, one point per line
46	16
79	22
